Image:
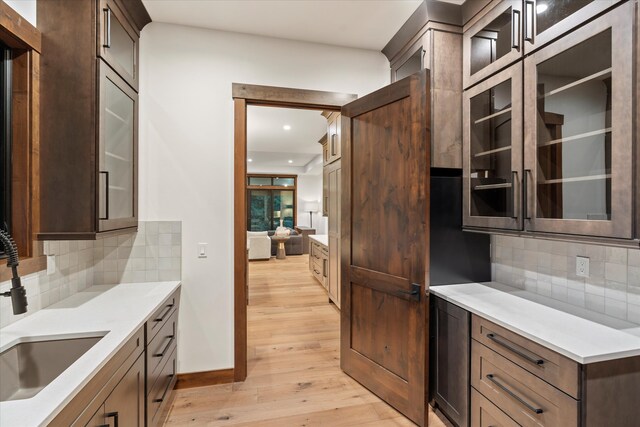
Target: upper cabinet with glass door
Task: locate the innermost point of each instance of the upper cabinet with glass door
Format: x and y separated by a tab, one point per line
492	151
118	142
578	130
118	41
492	42
545	20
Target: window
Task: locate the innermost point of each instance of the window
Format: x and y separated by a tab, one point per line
20	47
5	141
272	201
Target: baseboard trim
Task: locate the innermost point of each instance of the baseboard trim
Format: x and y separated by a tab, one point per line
204	378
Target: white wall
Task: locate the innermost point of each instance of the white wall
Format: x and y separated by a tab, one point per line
26	8
186	152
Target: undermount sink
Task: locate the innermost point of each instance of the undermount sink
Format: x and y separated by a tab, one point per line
29	366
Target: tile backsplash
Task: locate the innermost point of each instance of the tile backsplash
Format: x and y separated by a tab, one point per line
548	268
154	253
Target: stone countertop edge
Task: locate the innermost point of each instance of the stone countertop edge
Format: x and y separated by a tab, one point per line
323	239
585	337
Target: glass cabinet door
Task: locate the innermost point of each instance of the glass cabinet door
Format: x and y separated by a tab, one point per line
545	20
117	185
492	151
578	127
118	42
493	42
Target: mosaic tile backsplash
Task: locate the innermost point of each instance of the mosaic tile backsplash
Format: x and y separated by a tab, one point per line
548	268
152	254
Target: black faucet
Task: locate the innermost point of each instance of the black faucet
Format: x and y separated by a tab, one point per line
17	293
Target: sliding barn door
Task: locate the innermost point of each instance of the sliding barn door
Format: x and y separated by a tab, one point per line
385	262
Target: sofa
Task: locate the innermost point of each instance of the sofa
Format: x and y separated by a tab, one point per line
259	245
293	246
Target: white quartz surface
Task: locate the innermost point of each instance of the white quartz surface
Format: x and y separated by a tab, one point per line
119	311
323	239
579	334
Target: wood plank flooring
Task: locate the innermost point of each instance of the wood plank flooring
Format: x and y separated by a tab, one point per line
294	376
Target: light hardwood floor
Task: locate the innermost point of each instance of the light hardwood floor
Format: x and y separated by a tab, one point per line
294	376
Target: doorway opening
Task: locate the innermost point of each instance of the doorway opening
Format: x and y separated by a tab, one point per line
267	195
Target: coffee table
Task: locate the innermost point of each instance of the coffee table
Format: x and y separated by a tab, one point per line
281	253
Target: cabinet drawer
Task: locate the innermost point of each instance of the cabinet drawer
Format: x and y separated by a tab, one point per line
160	348
161	391
555	369
317	273
524	397
160	317
486	414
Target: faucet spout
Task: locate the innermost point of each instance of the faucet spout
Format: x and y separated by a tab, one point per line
17	292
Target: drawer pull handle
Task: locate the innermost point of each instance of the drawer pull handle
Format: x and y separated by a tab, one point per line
530	407
166	389
166	311
535	360
166	347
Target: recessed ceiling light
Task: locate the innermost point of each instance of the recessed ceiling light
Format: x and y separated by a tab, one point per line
290	161
286	127
249	160
541	8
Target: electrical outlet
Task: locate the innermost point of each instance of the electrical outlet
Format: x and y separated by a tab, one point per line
582	266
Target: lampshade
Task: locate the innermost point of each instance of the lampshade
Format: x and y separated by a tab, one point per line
311	206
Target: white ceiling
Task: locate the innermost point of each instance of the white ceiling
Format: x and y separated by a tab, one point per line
366	24
270	146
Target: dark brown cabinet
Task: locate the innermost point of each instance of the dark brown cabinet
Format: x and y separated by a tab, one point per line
118	41
579	130
545	20
89	125
548	141
450	355
125	404
492	160
118	152
438	48
492	42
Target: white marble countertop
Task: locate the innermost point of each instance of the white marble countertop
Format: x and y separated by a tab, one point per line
579	334
323	239
119	311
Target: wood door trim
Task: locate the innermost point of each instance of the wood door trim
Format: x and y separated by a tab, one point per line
289	97
17	32
243	95
205	378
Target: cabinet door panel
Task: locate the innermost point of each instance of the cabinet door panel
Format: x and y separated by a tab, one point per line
118	152
492	154
126	402
118	42
579	130
545	20
493	42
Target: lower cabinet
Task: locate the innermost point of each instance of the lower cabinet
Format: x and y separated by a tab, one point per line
514	381
135	387
319	262
125	404
449	348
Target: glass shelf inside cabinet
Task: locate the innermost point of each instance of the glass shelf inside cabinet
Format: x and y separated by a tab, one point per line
490	150
574	132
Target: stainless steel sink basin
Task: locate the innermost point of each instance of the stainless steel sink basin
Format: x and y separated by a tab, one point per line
29	366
